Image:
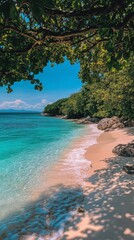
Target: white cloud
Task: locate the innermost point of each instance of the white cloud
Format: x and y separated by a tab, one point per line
18	104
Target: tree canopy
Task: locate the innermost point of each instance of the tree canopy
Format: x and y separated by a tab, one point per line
104	95
55	108
36	32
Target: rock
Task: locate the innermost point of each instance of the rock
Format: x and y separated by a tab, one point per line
82	121
118	149
127	122
92	119
110	124
88	118
80	210
125	150
117	125
129	169
44	114
64	117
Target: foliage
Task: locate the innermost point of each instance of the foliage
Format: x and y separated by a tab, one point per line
111	92
36	32
74	106
55	108
104	95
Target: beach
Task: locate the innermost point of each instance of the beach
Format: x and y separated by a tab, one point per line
109	193
86	194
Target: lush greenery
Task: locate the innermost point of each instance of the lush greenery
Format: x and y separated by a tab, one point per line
36	32
104	93
56	107
97	33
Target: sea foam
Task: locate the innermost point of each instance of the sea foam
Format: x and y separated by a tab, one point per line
47	217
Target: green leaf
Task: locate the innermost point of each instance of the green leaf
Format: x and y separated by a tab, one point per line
13	11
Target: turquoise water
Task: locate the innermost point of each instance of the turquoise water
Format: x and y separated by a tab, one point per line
29	145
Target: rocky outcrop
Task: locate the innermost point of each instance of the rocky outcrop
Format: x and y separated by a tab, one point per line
61	116
108	124
129	169
127	122
81	121
44	114
92	119
87	120
125	150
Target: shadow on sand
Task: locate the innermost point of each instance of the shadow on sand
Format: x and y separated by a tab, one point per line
109	207
129	131
108	202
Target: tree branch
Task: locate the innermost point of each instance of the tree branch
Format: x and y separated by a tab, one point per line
10	28
60	36
83	13
84	39
93	45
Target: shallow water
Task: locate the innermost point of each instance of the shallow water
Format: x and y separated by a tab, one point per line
28	144
42	168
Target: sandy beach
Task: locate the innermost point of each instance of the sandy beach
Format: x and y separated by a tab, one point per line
95	182
109	193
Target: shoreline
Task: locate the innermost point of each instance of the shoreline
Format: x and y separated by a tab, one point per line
72	166
102	191
108	207
105	144
67	170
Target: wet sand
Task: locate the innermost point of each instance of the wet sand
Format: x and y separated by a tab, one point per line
104	191
109	193
56	199
103	149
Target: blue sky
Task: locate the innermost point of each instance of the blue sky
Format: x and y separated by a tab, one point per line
58	81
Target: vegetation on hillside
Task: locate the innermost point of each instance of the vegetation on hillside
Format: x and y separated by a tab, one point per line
104	93
36	32
56	107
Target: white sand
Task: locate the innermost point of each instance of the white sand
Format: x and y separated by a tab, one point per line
109	201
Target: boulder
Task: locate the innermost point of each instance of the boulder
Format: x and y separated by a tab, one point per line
83	121
127	121
64	117
129	169
107	124
92	119
125	150
117	125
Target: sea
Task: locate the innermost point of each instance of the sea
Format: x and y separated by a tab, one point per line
30	145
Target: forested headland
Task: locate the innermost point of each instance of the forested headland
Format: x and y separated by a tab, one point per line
105	93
